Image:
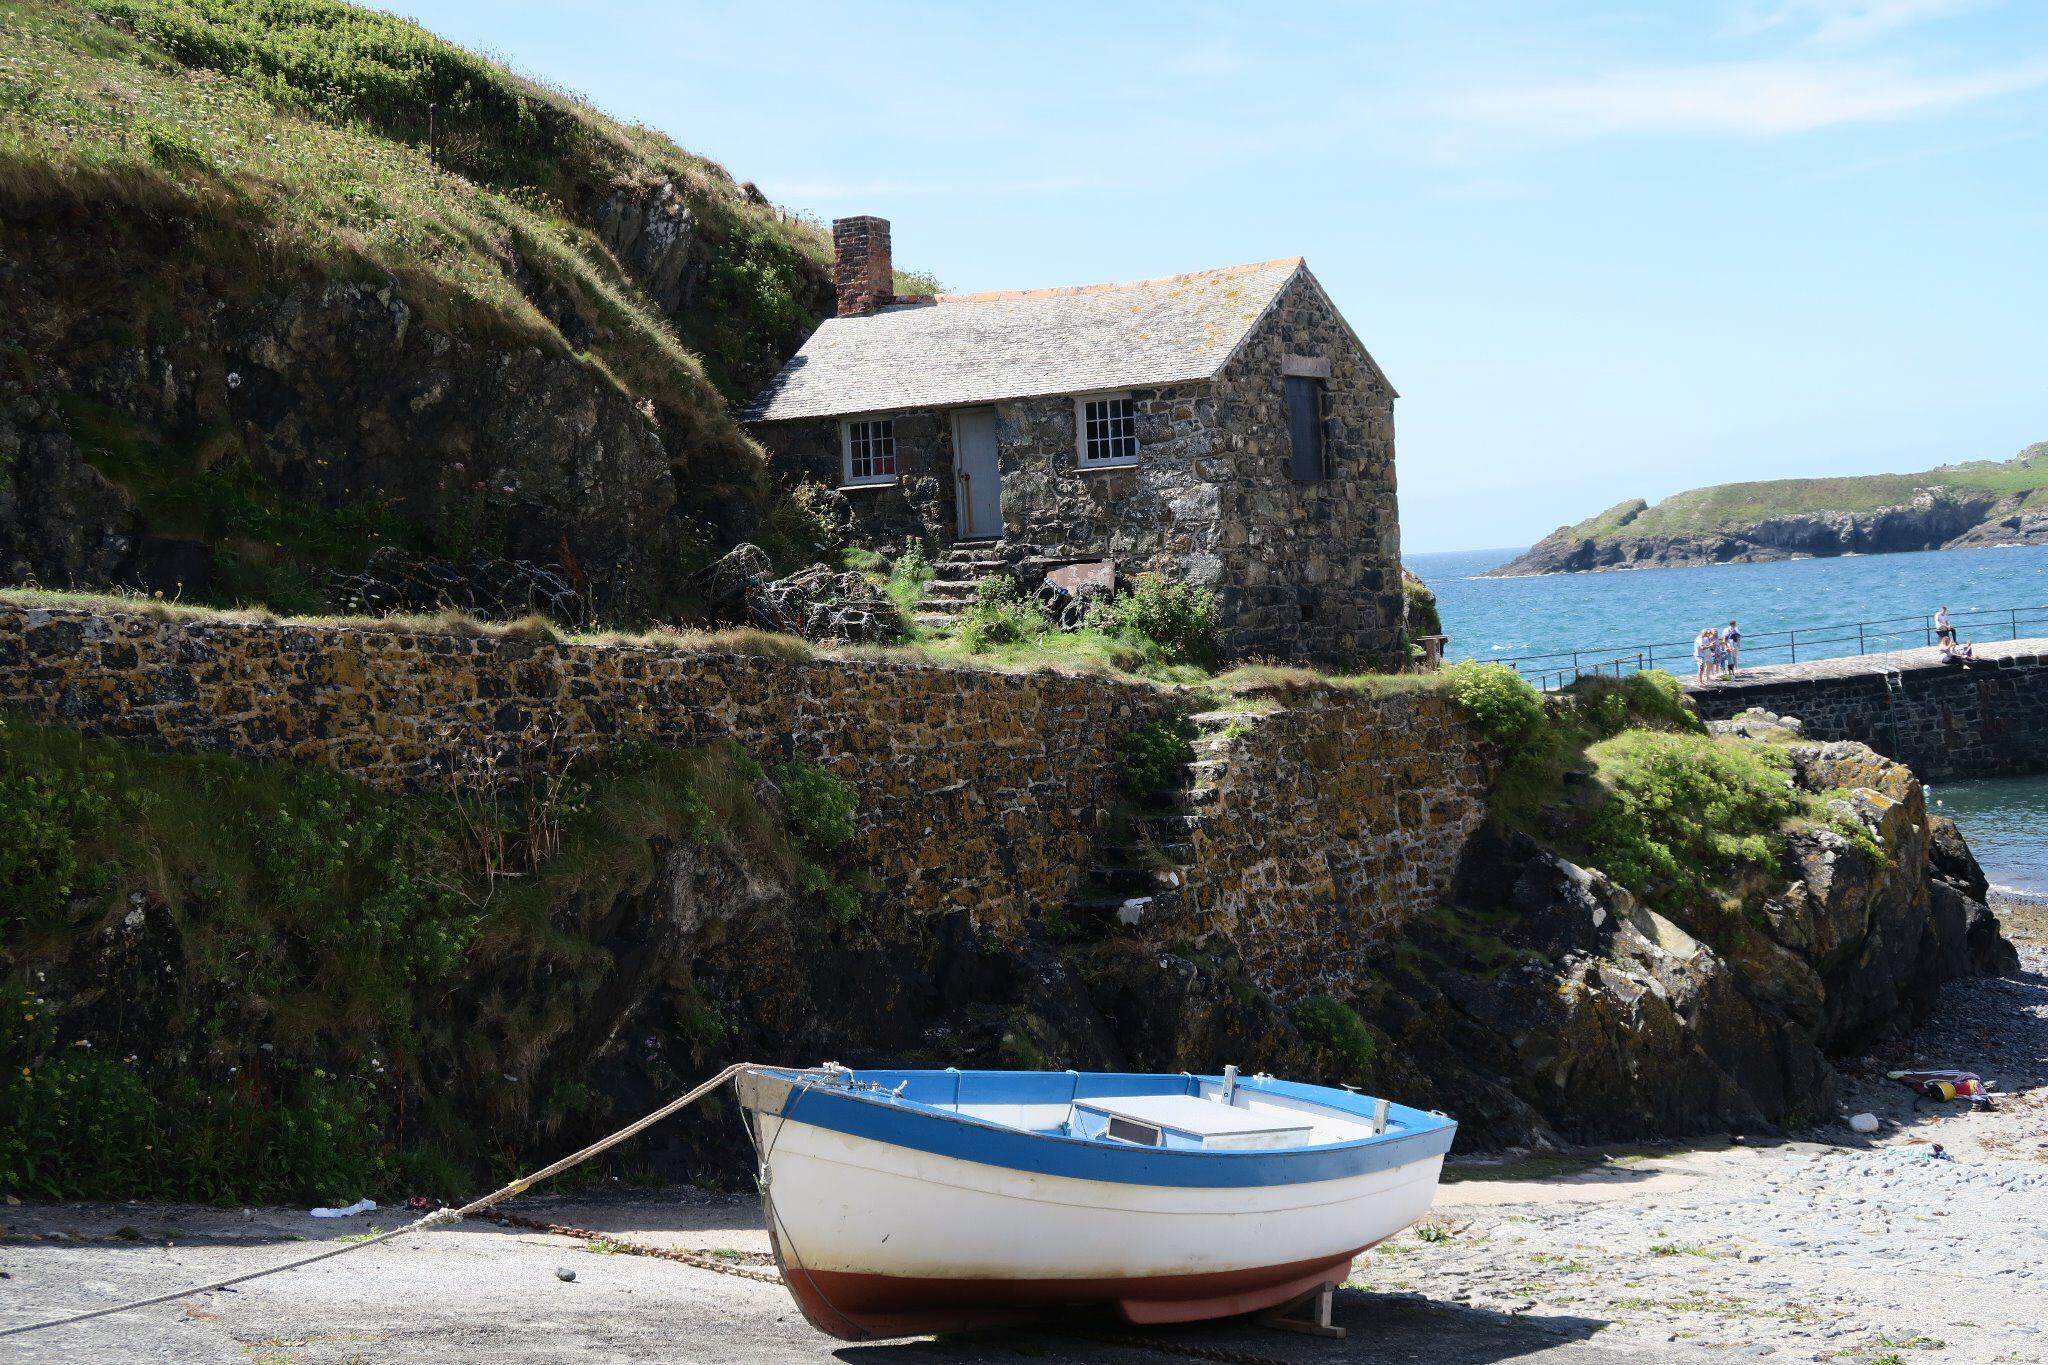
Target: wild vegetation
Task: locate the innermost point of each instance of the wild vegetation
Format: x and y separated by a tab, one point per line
1619	773
287	145
285	986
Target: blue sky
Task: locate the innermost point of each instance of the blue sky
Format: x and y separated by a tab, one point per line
1603	250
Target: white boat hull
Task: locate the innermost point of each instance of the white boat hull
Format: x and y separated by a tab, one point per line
878	1239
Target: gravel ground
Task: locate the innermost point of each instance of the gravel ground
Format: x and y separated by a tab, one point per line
1838	1248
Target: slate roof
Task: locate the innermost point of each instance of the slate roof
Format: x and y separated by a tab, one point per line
978	348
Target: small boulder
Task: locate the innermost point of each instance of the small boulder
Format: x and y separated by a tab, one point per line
1863	1123
732	577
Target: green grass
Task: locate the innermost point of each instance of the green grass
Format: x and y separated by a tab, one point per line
1731	506
292	133
338	997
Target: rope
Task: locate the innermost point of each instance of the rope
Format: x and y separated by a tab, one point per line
435	1219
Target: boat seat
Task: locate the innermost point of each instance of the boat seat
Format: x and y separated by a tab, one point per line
1186	1121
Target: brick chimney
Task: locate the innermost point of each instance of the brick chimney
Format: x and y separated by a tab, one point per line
861	267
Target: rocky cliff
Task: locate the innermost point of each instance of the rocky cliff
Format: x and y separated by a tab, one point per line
298	302
1960	505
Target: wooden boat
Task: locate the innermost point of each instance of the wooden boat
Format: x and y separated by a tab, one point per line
907	1202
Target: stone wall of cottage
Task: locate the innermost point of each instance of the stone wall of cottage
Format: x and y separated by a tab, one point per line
1313	568
977	789
1334	821
1338	817
1303	570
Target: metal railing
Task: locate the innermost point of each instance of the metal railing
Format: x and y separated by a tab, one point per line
1560	667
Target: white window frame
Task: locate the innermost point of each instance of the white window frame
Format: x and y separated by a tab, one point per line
847	477
1081	402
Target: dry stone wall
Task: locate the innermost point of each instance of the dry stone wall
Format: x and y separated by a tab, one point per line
980	790
1335	820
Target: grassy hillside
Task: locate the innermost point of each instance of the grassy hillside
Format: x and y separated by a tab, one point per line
181	174
301	128
1734	505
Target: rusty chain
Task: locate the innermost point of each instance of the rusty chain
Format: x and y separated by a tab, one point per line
700	1260
1187	1350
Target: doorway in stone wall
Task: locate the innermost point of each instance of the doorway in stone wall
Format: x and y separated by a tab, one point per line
977	478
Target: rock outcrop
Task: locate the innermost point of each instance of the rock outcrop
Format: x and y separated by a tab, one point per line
1939	515
1550	1005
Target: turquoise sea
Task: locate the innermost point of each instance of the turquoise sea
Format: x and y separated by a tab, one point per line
1603	615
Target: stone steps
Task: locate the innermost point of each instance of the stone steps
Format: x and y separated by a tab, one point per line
1141	875
956	578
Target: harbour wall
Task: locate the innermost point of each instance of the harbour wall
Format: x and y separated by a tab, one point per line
1943	721
1340	814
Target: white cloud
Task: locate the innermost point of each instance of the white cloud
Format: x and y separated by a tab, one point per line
1844	21
1761	97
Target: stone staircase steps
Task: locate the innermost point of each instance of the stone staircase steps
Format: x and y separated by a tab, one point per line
956	578
1142	871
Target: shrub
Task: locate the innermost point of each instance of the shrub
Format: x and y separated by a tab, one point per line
1501	703
912	564
1686	812
804	528
43	813
395	911
840	901
1339	1037
1652	698
1154	752
821	805
909	575
1001	615
1178	617
1658	698
76	1125
752	290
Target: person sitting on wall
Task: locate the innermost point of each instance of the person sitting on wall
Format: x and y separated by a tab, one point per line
1962	655
1944	630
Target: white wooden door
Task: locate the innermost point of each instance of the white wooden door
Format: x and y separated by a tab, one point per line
977	479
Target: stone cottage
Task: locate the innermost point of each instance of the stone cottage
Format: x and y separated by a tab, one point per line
1226	428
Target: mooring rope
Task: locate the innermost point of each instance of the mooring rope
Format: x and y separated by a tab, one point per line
435	1219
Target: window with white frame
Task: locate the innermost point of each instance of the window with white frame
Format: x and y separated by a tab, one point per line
1108	430
870	448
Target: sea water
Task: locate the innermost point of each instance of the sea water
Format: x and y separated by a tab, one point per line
2005	819
1605	613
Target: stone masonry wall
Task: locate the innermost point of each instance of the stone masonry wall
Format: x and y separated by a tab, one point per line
1314	568
977	789
1338	817
1302	569
1336	820
1943	722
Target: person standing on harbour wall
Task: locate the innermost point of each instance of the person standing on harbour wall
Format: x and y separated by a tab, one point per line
1731	650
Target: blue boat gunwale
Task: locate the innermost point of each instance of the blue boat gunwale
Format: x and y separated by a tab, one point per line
904	1120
